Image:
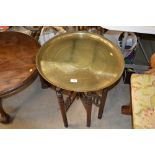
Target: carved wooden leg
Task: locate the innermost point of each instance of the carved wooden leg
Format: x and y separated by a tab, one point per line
88	108
4	117
62	106
102	103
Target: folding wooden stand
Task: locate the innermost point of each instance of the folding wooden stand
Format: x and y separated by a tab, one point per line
87	99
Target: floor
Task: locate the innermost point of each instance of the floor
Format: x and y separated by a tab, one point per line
37	108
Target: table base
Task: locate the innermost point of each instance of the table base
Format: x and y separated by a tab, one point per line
87	99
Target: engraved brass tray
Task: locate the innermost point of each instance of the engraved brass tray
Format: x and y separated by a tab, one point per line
80	61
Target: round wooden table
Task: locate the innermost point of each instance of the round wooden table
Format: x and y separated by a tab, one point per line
17	61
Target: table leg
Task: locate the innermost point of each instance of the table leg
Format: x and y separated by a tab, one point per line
4	117
126	109
44	84
62	106
102	104
89	108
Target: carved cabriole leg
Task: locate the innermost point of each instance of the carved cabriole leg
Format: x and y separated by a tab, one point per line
102	103
88	108
4	117
62	106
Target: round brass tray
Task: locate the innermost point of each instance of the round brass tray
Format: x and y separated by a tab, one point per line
80	61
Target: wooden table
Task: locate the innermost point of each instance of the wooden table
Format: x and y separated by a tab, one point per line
17	61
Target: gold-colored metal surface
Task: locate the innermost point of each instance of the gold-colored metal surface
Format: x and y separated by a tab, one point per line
80	61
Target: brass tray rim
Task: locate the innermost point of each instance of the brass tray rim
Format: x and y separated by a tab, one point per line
85	32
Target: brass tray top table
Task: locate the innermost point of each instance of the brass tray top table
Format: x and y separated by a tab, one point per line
82	63
17	65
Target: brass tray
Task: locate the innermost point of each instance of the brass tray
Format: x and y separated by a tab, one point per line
80	61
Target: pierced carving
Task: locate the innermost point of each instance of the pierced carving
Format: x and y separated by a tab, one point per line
87	99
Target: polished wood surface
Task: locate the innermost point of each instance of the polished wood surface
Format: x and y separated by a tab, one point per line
17	60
